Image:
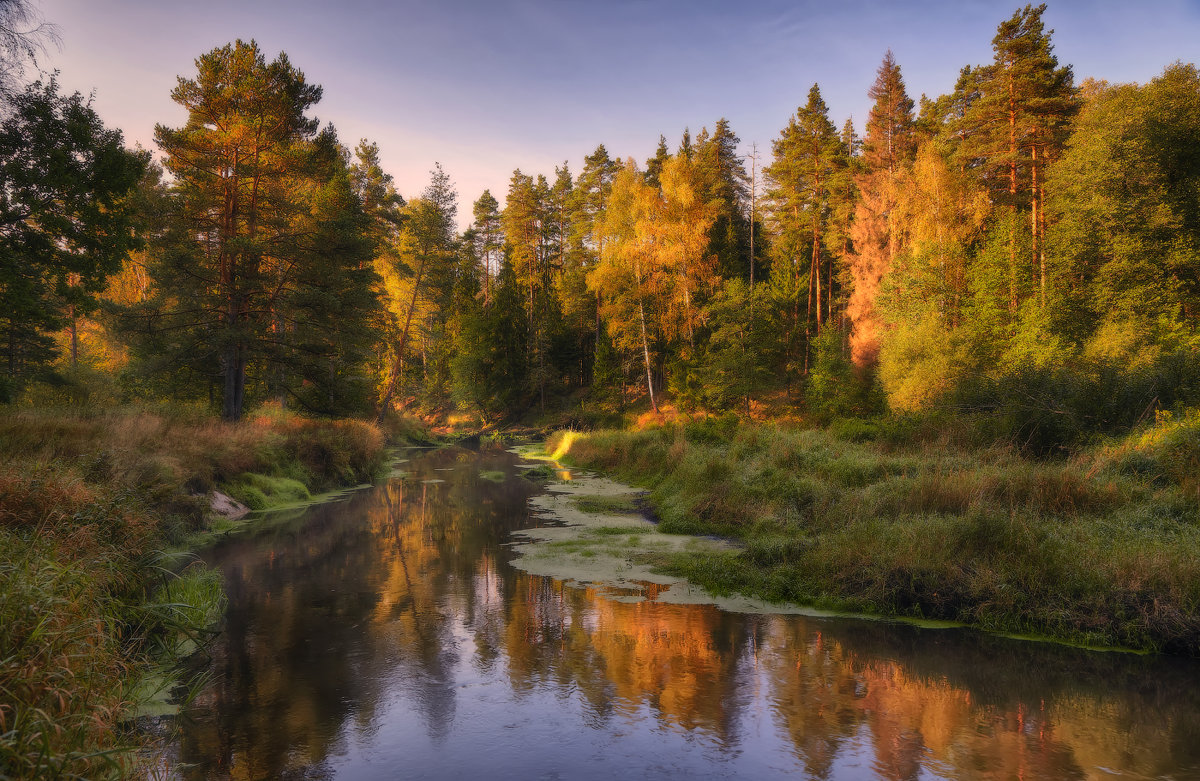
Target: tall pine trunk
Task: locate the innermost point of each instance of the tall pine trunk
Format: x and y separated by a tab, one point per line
398	363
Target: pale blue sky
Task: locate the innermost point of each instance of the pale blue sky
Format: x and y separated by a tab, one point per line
486	87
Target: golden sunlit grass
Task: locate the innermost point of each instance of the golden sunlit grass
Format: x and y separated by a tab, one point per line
1103	548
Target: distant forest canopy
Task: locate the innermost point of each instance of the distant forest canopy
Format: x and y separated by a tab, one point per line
1024	244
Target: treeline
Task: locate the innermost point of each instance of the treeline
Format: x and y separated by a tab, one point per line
1024	244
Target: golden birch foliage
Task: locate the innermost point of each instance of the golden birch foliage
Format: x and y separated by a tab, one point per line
678	227
626	279
655	253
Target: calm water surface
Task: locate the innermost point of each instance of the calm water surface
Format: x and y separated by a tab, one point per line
386	636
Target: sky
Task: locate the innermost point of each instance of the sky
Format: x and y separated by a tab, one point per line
488	86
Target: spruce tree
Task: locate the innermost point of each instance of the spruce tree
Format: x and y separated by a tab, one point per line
806	156
888	149
654	164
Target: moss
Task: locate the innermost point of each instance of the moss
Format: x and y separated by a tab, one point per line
612	505
541	472
263	492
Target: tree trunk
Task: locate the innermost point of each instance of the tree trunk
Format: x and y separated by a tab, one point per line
394	375
646	356
74	328
235	383
1012	193
637	276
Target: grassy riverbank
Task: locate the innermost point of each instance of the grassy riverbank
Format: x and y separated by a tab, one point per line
90	601
917	520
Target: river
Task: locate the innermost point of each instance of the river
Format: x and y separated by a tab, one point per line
387	635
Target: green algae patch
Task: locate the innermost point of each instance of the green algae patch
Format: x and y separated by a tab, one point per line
153	695
543	472
618	505
493	475
601	543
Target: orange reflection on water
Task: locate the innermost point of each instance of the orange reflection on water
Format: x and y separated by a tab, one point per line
404	593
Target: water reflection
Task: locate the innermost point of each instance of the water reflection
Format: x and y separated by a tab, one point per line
386	636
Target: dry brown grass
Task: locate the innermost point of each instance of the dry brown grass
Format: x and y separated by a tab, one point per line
85	499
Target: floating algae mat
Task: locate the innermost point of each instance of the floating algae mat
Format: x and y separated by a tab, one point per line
599	542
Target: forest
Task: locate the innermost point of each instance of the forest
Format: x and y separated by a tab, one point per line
945	364
1024	246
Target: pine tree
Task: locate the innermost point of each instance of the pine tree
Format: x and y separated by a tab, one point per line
806	156
588	201
376	190
488	239
246	137
1014	124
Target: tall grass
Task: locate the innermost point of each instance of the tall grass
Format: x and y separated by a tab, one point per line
88	603
1102	548
168	456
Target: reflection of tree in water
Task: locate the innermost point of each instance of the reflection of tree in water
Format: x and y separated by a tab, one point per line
324	610
687	664
974	705
405	589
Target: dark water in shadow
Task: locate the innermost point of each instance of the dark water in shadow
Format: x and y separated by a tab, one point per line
385	636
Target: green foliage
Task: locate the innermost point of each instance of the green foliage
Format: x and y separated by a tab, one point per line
743	345
722	178
918	364
835	387
1056	408
65	220
490	363
1126	230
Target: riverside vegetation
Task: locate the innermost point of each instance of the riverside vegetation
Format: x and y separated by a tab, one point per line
924	520
1022	249
96	596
